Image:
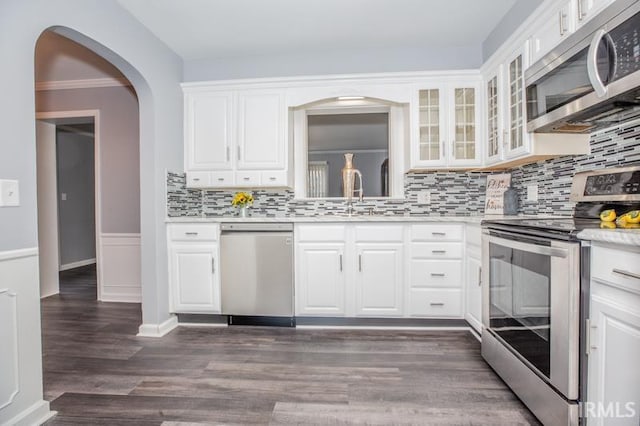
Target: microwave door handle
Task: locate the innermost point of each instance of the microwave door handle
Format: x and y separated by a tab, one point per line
531	248
592	64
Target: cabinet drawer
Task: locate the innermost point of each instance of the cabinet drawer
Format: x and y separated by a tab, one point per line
435	303
193	232
616	266
436	232
436	250
436	273
247	178
198	180
380	233
274	178
320	233
221	179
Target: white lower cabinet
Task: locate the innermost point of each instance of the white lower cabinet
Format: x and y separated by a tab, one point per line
435	287
614	338
473	290
194	276
320	283
379	279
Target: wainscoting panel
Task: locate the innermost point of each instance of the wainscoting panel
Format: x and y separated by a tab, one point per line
119	268
21	400
9	385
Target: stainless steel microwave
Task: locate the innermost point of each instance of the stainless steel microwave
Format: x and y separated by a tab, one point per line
592	79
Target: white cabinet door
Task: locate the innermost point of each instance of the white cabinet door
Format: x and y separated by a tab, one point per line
587	9
556	28
430	133
473	291
195	282
379	279
494	116
515	134
463	126
320	283
208	131
614	371
261	130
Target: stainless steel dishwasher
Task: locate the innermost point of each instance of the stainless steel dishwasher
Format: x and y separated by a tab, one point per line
256	267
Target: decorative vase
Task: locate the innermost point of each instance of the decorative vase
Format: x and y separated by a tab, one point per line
349	174
244	212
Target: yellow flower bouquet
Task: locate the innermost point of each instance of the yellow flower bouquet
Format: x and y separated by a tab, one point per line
242	199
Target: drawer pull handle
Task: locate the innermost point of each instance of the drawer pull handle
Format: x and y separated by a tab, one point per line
246	178
220	179
196	179
439	234
626	274
272	178
436	304
191	233
438	251
437	274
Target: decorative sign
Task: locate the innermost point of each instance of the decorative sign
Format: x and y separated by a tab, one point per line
496	185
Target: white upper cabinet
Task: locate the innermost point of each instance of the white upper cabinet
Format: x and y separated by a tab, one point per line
446	131
261	130
515	134
557	26
208	131
587	9
494	124
235	138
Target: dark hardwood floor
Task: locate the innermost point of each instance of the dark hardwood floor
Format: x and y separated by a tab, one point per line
97	372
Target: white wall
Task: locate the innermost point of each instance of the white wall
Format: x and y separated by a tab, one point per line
155	72
335	61
119	149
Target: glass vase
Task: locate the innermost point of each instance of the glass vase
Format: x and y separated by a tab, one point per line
244	212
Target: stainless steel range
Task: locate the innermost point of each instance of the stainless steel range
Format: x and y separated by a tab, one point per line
536	293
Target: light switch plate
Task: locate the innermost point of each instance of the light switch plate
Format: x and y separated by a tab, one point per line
424	197
532	193
9	193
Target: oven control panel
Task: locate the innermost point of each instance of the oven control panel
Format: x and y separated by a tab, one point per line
615	184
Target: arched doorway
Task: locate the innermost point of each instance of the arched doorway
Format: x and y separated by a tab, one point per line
90	112
155	72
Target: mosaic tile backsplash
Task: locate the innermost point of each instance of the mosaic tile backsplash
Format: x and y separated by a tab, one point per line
452	193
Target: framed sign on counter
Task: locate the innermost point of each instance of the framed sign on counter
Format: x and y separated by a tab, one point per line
496	186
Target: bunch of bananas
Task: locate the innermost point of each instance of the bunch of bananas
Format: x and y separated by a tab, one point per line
610	220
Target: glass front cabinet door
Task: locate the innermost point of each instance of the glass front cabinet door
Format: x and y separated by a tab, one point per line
493	89
515	130
446	127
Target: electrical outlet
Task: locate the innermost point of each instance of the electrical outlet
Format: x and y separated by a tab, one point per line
63	196
9	193
424	197
532	193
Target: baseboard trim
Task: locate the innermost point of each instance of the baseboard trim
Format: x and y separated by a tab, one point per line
158	330
19	253
380	327
36	414
77	264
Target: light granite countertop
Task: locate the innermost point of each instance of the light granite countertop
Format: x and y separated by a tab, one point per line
630	237
344	219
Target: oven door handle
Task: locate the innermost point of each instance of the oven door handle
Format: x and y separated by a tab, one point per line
531	248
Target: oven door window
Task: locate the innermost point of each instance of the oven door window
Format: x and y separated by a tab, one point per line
519	300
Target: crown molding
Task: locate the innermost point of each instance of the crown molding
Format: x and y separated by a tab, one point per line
90	83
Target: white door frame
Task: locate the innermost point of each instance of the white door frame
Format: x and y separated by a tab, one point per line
59	117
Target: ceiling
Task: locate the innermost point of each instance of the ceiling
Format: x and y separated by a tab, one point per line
207	29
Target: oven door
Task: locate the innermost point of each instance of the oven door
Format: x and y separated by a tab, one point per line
531	292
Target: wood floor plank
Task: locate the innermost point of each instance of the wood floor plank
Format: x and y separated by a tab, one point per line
98	372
